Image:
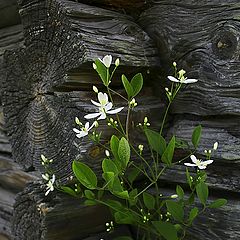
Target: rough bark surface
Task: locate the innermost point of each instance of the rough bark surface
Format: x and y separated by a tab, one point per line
49	82
61	40
56	216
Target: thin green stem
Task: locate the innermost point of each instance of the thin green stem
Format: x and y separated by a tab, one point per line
118	119
164	118
118	94
127	122
145	189
144	160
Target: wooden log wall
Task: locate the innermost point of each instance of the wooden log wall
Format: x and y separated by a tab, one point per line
48	81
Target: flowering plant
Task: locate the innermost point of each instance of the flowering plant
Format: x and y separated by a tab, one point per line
155	215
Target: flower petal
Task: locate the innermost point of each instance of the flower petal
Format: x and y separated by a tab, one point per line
190	80
115	110
76	130
107	61
47	192
108	106
92	115
96	103
102	98
102	116
173	79
193	158
82	134
202	167
207	162
190	164
87	126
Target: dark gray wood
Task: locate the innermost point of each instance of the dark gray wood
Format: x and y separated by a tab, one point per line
49	82
56	216
9	13
203	37
12	180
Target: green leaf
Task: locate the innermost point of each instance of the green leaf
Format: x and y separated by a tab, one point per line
132	197
196	136
89	194
115	205
123	238
102	71
114	142
124	218
176	210
124	152
69	190
193	214
181	143
109	166
123	194
113	182
85	175
149	201
137	84
156	141
168	153
218	203
133	175
127	86
202	192
188	178
166	229
191	199
89	202
180	192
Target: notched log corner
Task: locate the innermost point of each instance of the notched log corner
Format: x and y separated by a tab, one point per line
56	216
40	101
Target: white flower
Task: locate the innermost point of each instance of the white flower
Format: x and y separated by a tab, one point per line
50	186
107	61
215	146
182	80
198	163
104	107
84	130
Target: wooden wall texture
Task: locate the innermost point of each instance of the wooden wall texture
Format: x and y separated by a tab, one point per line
46	80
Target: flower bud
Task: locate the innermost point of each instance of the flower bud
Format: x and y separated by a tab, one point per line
174	196
94	66
96	124
77	121
215	146
174	64
95	89
107	153
117	62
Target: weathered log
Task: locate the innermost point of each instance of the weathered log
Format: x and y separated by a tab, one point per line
10	37
203	37
47	216
56	216
62	38
9	13
12	180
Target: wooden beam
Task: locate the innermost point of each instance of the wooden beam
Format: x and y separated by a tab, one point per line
49	81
